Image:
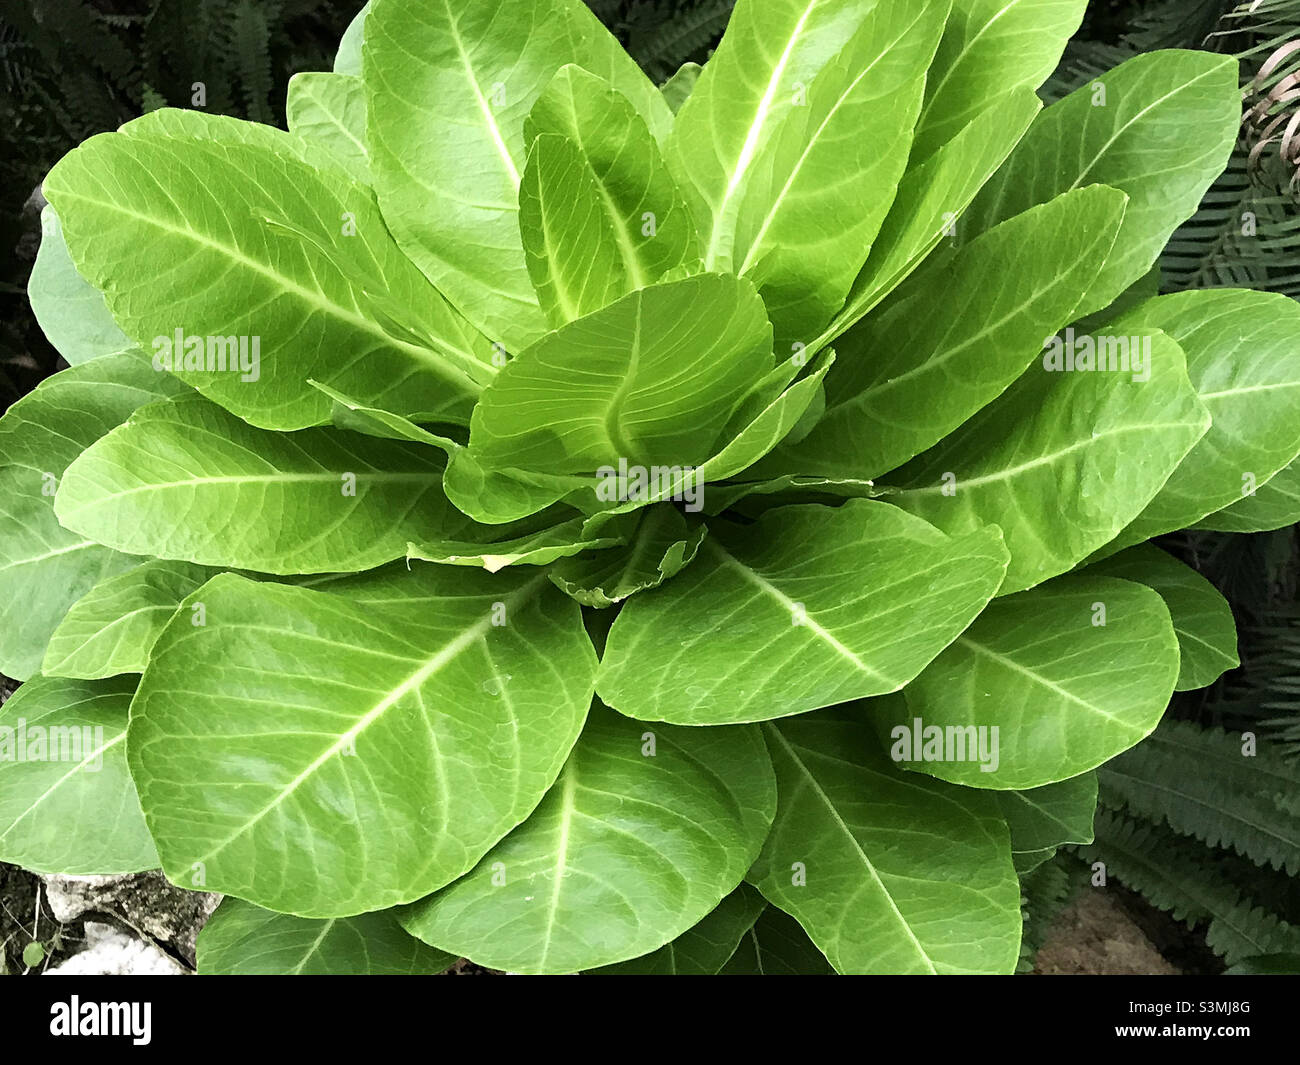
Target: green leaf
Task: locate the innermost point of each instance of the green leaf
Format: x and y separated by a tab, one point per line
1203	622
392	728
330	110
449	85
702	950
1069	675
862	597
770	54
677	89
931	198
113	627
71	313
572	246
33	955
1061	461
991	47
651	379
180	481
1240	348
348	58
217	240
67	804
44	568
957	337
887	873
1162	133
642	836
847	142
777	946
662	546
532	549
241	939
1275	505
644	212
1044	818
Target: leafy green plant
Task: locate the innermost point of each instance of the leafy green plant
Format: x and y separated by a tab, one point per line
579	525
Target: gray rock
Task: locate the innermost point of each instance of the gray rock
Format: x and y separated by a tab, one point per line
111	952
145	902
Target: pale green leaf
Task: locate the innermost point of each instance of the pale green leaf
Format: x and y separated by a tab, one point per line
1069	675
330	110
1044	818
388	731
67	804
449	84
702	950
847	142
1274	505
241	939
244	252
1159	127
808	607
186	480
641	837
71	313
887	873
1207	634
1062	461
991	47
113	627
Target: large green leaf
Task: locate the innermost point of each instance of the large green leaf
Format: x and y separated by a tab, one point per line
1207	634
1061	461
991	47
330	110
113	627
387	731
955	340
71	314
536	548
846	143
241	939
44	568
862	597
449	84
1274	505
222	239
770	55
186	480
931	197
642	836
652	379
67	804
886	872
1242	360
348	58
640	209
1162	133
1044	686
703	949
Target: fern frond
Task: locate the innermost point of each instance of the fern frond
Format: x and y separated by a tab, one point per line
1200	782
1044	892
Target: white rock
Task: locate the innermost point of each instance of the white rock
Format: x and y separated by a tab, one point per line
110	952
